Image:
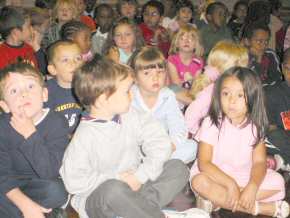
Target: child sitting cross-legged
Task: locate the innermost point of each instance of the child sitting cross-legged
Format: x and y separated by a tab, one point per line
102	165
150	95
32	144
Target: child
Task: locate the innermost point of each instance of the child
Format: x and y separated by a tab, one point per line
79	33
151	95
102	166
184	61
104	19
127	8
222	57
278	108
32	143
238	18
124	38
85	19
231	167
14	29
90	6
263	60
184	15
64	57
64	11
215	30
153	33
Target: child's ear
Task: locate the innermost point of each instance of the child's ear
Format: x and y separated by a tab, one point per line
45	94
51	69
4	106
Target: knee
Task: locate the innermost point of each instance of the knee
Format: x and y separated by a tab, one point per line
56	194
200	183
180	169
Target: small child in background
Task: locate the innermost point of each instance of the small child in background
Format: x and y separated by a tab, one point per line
150	95
215	30
63	11
123	39
15	28
222	57
32	143
184	61
230	171
263	60
40	23
64	58
102	166
154	34
104	18
128	8
79	33
85	19
238	19
184	16
90	7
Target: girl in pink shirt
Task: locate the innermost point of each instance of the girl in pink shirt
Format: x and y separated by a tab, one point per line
184	61
223	56
231	167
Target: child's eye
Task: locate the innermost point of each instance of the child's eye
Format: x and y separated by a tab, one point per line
65	60
31	86
241	95
13	92
79	58
225	93
146	73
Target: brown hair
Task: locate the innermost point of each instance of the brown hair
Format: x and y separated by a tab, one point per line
97	77
22	68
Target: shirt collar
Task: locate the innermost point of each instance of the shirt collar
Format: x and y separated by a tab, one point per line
86	116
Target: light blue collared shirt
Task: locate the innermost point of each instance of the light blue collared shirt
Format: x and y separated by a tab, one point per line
166	110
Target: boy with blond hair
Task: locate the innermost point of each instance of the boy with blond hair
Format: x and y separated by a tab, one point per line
32	143
102	166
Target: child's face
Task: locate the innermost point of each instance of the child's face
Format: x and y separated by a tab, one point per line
185	14
186	42
259	41
150	81
66	61
218	17
151	17
128	10
124	37
24	94
286	70
233	100
83	39
65	13
119	102
104	19
241	12
81	6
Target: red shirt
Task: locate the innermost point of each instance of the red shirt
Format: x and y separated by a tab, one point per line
89	22
148	35
11	54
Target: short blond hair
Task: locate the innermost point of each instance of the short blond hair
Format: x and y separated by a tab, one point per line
223	56
195	34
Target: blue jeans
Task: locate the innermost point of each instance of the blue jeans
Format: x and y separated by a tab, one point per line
47	193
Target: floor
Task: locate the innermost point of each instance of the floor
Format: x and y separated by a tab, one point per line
186	200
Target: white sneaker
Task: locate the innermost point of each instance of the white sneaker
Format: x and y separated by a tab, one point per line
190	213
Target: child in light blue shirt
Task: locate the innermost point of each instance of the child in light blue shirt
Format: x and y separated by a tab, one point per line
151	96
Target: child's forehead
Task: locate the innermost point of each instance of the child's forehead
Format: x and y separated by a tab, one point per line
63	50
151	8
14	78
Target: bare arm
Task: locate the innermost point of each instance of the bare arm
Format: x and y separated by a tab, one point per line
173	74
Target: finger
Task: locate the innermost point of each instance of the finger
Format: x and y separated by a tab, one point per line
45	210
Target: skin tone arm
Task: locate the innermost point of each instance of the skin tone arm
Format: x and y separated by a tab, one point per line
206	166
173	74
28	207
258	172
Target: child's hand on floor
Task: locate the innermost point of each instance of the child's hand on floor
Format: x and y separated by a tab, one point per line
248	197
22	124
233	195
129	178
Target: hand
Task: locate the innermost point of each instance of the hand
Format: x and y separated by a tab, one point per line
36	40
34	210
233	195
173	147
22	124
113	54
248	197
129	178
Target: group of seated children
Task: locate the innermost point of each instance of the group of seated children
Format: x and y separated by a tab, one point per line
107	114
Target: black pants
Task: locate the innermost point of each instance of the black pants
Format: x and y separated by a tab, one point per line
47	193
281	139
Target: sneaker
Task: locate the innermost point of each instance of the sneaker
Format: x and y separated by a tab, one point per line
190	213
205	204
